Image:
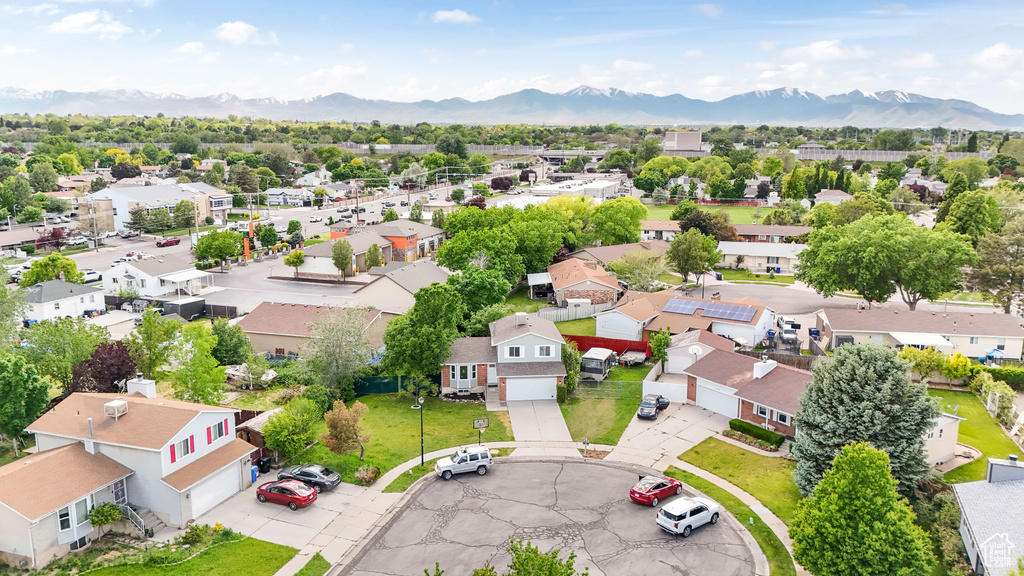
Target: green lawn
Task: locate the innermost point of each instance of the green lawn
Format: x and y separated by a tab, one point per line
402	483
250	556
780	563
581	327
520	301
671	279
394	429
768	479
602	420
317	566
978	430
976	297
744	276
737	214
266	399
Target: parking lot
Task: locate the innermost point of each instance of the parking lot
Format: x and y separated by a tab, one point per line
577	507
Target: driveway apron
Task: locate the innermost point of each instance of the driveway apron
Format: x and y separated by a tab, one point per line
538	421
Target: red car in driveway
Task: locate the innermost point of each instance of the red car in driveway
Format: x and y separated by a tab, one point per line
168	242
653	489
291	493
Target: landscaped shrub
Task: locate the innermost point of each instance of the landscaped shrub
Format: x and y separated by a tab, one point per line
750	440
756	431
30	250
367	474
319	395
1014	377
560	394
958	367
195	534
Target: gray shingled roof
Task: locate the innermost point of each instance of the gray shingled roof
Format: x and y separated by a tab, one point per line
419	274
360	243
507	328
472	350
993	510
507	369
960	323
406	228
162	265
53	290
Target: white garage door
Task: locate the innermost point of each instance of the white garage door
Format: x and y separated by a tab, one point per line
720	402
214	490
530	388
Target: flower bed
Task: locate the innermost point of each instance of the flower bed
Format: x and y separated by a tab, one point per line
750	440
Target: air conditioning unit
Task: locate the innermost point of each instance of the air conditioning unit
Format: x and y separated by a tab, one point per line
115	409
768	427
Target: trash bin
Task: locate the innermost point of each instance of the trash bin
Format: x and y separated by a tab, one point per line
255	472
264	463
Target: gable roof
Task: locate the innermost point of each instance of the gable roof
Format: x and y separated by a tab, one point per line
959	323
161	266
640	310
187	476
778	249
780	388
664	225
406	228
771	230
79	472
516	325
282	319
992	510
573	271
53	290
605	254
679	323
833	194
360	244
257	422
472	350
413	276
704	337
150	423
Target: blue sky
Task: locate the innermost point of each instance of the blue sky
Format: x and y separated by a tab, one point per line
406	51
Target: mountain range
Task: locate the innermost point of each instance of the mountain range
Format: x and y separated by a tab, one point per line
582	105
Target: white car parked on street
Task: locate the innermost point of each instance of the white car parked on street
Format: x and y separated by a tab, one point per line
680	517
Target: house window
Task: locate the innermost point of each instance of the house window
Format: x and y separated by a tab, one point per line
761	411
974	339
931	435
762	237
775	238
82	511
115	280
81	299
782	418
940	432
513	352
181	449
64	518
543	351
142	282
773	259
92	298
56	305
162	282
217	431
463	372
1000	343
451	373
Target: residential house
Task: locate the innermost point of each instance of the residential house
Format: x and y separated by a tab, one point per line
811	145
319	262
836	197
38	525
281	329
971	334
58	299
659	229
682	140
340	189
117	203
409	240
315	178
577	280
990	513
184	457
289	197
155	278
769	232
638	315
605	255
520	360
394	291
734	385
940	442
761	257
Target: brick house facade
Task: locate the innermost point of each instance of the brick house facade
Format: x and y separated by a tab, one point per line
748	412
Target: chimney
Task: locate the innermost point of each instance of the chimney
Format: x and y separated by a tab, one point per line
763	367
141	385
1003	470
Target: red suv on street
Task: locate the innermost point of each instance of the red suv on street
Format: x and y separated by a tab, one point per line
168	242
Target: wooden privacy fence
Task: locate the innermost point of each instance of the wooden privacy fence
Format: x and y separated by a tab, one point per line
793	360
574	312
585	343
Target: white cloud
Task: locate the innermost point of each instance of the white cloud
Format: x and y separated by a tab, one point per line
826	51
330	78
36	10
696	54
630	66
190	48
711	81
998	56
243	33
919	61
8	50
766	45
480	52
347	47
708	10
453	17
279	59
92	22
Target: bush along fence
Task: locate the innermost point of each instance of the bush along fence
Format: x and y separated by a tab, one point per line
771	439
387	384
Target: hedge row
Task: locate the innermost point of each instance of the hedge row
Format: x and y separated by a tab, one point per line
756	431
1014	377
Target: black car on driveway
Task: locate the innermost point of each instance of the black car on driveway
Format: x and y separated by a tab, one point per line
315	475
651	405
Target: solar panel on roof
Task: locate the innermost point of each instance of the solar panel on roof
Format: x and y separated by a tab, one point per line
677	306
729	312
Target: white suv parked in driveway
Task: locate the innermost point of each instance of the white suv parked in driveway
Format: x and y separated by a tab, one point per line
466	459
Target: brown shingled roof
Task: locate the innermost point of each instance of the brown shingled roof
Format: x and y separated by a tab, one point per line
961	323
606	254
659	225
679	323
771	230
572	271
780	389
149	423
509	327
289	319
69	473
184	478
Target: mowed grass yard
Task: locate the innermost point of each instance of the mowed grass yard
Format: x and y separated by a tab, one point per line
581	327
737	214
250	556
768	479
394	429
979	430
603	420
519	301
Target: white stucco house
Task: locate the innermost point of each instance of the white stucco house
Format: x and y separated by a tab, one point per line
57	299
315	178
761	257
155	278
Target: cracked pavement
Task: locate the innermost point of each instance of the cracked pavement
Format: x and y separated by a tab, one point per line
579	507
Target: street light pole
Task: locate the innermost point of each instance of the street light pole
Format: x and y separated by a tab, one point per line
420	408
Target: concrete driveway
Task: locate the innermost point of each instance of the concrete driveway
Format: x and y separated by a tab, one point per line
539	421
577	507
677	429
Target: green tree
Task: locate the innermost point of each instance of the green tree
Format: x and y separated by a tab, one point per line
294	226
892	171
185	214
344	433
150	344
69	164
458	195
617	221
295	260
23	397
416	214
999	273
647	149
198	376
138	219
856	524
616	160
30	214
639	269
219	246
12	309
650	180
50	267
43	178
420	341
863	393
452	144
436	218
692	252
390	215
373	257
974	214
957	185
267	236
479	288
341	256
527	560
869	257
293	428
660	343
338	349
159	220
491	249
926	362
571	359
232	346
56	346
